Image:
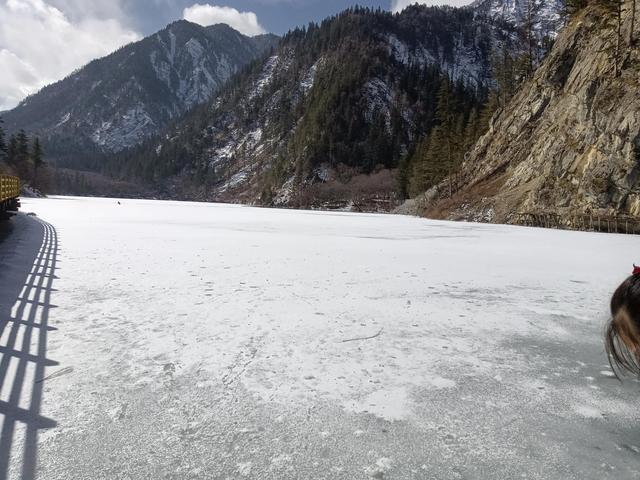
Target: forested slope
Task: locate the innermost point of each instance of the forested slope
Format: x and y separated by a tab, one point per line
351	96
569	141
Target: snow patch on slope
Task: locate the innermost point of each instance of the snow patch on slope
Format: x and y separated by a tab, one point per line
466	64
309	78
380	97
162	68
64	119
134	125
268	71
398	49
285	193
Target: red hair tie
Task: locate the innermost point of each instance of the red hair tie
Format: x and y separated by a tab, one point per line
636	270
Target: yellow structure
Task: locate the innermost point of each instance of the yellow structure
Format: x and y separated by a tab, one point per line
9	193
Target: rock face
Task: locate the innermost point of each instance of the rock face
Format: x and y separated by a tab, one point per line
544	15
117	101
568	142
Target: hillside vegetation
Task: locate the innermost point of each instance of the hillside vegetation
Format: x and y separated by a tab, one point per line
354	95
569	140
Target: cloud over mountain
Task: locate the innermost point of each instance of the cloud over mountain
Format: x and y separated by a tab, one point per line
40	44
207	14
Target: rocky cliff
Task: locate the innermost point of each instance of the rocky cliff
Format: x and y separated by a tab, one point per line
568	142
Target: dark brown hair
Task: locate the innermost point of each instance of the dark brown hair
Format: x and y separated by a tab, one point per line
622	332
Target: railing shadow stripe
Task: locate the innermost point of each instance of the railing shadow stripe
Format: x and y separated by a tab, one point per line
31	441
38	287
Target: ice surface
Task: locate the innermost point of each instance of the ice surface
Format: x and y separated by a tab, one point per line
216	341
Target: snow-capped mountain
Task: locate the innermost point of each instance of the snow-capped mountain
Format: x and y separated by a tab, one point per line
545	16
355	92
117	101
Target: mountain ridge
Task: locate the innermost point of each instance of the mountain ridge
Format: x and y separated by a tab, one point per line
118	100
299	117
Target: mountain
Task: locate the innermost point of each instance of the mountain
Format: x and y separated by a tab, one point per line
568	143
545	16
117	101
334	107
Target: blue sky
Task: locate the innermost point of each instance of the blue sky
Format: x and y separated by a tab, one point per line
64	35
276	16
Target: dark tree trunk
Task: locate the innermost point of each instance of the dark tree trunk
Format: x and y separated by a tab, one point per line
633	21
618	38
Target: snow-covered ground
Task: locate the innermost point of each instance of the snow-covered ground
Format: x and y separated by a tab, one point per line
200	341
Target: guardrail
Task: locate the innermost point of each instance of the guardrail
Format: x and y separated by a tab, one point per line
590	222
9	193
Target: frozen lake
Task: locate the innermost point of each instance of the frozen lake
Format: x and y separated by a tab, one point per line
165	340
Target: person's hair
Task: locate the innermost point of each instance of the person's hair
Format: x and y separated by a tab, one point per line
622	332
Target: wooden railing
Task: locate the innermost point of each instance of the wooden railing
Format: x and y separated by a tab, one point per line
9	187
587	222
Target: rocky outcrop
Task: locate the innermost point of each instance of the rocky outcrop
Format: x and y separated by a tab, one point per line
567	143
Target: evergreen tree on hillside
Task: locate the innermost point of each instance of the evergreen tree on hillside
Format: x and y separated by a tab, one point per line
471	130
3	143
23	146
530	34
417	179
37	159
446	134
441	152
574	6
12	151
22	159
508	71
614	9
633	23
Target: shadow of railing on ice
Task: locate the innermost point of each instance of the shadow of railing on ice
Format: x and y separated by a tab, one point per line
25	302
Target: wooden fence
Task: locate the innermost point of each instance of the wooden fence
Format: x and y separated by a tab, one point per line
586	222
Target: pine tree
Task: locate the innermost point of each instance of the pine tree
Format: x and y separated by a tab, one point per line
618	8
12	151
3	144
418	180
633	22
471	130
574	6
22	160
507	71
38	161
445	112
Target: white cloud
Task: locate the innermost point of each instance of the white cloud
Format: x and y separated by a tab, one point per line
39	45
398	5
244	22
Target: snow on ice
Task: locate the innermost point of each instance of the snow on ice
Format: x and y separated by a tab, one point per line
216	341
